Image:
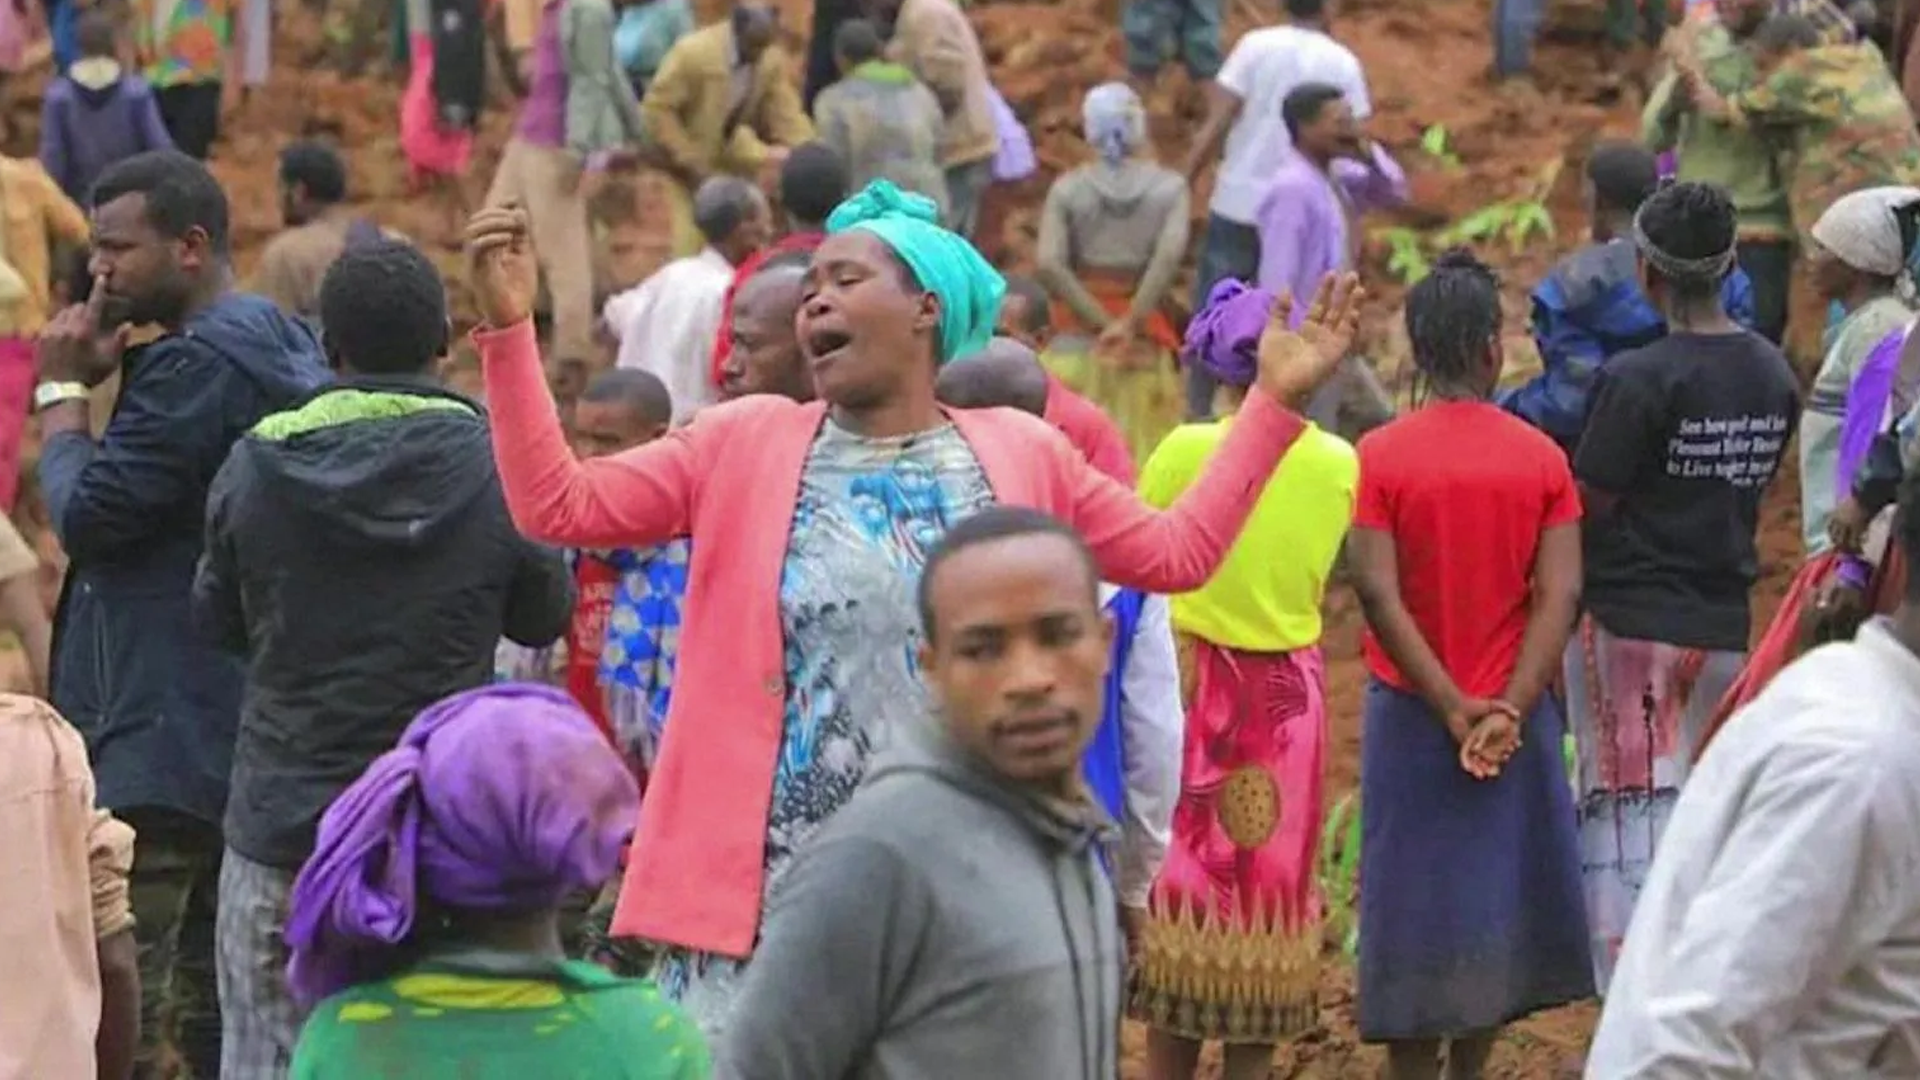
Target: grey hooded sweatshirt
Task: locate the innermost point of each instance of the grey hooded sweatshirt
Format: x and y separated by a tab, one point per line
942	925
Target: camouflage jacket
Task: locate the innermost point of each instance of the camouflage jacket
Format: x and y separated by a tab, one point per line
1839	121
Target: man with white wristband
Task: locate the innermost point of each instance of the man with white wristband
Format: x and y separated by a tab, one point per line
158	706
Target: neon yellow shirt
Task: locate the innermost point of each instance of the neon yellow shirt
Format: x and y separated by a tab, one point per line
1266	596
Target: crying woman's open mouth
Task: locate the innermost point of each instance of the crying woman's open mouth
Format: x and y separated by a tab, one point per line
823	344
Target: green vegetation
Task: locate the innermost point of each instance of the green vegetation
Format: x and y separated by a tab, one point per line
1339	872
1515	222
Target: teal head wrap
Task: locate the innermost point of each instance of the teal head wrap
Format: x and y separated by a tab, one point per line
943	262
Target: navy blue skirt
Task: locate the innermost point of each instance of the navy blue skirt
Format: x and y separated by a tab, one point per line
1471	909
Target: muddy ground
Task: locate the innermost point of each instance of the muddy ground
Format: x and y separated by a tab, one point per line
1425	63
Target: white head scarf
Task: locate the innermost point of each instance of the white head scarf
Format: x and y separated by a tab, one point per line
1116	122
1862	230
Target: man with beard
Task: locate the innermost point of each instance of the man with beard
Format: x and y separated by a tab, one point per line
158	706
319	226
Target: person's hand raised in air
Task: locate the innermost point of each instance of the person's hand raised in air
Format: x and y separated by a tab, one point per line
1295	361
501	268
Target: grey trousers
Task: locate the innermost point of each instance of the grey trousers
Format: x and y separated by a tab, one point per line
260	1023
966	187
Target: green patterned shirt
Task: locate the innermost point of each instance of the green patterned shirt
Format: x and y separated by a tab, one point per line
494	1016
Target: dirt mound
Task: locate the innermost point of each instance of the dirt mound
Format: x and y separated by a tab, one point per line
1466	145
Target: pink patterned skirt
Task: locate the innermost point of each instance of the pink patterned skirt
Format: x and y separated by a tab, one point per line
1232	943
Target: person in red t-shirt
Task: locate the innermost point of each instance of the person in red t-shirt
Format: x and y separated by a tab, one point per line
1466	553
619	410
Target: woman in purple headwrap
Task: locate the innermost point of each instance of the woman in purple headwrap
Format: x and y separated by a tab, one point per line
426	924
1232	937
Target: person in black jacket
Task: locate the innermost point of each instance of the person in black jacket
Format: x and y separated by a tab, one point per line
360	555
157	706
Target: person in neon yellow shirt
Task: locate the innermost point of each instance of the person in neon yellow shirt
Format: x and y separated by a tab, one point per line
1231	944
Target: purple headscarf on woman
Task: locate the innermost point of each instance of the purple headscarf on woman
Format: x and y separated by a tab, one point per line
502	799
1224	338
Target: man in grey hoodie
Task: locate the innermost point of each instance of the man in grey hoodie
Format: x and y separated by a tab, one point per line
953	920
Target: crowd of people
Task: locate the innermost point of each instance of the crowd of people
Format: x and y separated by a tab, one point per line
843	659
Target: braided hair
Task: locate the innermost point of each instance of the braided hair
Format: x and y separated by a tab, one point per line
1453	319
1685	232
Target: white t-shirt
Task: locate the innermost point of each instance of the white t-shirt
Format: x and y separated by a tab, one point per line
666	325
1263	68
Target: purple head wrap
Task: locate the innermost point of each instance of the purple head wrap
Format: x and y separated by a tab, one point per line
504	798
1224	338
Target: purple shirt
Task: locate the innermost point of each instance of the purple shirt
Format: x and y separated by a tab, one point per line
1868	402
1304	220
543	116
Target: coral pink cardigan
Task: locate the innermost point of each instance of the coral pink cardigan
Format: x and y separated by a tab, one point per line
730	480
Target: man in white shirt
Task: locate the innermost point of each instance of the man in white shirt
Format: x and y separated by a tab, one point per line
1778	934
666	324
1243	108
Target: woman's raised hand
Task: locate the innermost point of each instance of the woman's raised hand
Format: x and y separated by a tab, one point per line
1294	362
501	268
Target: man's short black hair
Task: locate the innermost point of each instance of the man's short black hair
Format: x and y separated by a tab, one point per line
857	41
180	194
636	387
317	169
812	182
1306	9
1039	313
721	204
383	309
1305	104
1623	175
999	522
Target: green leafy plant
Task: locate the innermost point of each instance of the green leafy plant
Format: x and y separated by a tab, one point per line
1434	144
1406	253
1516	222
1338	872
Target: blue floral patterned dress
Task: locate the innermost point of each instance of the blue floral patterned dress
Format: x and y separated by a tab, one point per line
643	645
869	511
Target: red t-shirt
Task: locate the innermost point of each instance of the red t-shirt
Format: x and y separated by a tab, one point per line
594	581
1091	431
723	341
1466	490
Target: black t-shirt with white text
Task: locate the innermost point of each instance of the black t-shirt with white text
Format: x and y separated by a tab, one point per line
1686	432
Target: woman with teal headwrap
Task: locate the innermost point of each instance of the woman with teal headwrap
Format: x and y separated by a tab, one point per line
809	526
941	262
